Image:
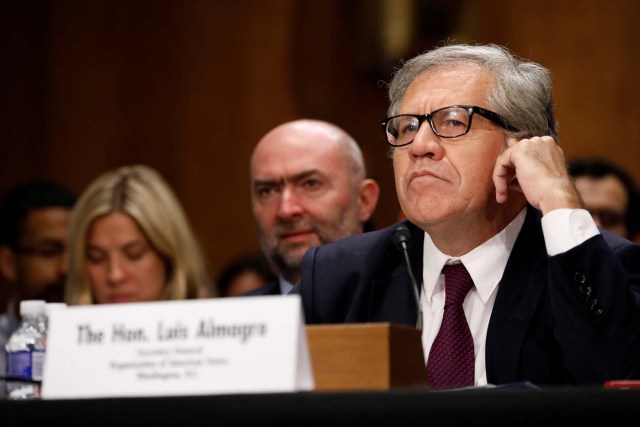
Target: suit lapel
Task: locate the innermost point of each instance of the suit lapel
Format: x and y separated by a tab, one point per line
518	296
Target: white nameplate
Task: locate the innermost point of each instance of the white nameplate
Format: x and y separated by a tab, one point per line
206	346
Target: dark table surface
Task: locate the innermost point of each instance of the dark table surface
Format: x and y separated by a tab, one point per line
471	407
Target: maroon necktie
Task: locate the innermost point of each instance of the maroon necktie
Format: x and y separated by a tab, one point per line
451	361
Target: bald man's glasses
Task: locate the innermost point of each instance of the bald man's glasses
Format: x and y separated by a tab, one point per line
447	122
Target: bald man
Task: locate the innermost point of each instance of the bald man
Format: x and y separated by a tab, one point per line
308	188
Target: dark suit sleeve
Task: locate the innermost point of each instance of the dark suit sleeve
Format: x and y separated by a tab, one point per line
594	292
328	285
358	279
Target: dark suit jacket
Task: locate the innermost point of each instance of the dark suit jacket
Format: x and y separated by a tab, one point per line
573	318
271	288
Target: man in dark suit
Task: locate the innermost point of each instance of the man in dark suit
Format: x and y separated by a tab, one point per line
483	183
308	188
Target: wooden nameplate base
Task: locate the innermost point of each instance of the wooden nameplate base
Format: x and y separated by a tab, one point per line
366	356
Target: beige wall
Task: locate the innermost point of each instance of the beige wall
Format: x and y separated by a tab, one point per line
188	87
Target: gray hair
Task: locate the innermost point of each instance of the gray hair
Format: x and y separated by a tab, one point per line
522	94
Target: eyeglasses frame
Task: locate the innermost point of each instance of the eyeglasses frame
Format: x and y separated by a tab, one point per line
471	110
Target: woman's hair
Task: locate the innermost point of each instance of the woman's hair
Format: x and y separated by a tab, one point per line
141	193
522	94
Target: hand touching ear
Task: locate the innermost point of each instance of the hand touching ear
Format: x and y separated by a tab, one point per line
535	167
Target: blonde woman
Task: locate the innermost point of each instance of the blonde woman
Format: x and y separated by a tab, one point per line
131	241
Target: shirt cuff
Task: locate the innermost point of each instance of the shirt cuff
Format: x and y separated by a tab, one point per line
564	229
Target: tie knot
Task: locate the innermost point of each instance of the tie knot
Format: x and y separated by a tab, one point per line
457	283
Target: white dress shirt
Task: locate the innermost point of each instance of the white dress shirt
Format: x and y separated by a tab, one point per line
563	229
285	286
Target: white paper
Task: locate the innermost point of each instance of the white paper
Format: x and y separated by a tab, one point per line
206	346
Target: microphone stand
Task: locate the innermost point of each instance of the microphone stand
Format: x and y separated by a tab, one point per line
402	238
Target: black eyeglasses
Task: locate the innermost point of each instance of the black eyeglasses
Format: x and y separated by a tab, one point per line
447	122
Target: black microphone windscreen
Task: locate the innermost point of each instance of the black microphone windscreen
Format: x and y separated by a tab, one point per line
401	235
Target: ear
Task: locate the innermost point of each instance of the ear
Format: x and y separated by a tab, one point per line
8	267
369	194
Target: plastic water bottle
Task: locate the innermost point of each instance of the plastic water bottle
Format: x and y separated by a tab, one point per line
25	352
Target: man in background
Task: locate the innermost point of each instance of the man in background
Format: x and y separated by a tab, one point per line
609	194
34	231
308	188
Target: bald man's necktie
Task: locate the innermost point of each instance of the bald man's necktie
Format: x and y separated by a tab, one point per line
451	361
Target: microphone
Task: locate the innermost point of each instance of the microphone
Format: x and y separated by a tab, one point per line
402	239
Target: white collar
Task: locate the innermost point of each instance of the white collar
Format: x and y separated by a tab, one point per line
285	286
485	275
